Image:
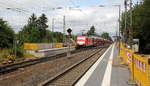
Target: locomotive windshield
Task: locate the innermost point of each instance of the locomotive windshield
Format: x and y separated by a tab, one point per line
81	38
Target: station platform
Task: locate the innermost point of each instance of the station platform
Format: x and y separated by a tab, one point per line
107	71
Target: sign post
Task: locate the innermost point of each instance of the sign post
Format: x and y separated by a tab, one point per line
135	45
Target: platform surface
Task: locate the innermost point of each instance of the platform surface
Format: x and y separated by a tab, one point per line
107	71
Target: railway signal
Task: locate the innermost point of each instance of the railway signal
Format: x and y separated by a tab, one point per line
69	31
69	40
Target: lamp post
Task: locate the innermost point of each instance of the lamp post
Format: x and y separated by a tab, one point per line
119	9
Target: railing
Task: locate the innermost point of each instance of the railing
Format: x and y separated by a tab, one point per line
138	65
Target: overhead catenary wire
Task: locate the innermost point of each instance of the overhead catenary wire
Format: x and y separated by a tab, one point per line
73	3
21	7
12	8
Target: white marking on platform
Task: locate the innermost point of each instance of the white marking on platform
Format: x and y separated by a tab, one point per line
107	76
87	75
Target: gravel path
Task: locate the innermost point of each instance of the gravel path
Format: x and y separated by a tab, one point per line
32	75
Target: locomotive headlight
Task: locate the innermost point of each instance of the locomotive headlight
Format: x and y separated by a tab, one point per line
80	42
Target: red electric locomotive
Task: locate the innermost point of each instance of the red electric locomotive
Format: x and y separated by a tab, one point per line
84	41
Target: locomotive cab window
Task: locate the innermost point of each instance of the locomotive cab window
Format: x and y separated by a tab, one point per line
80	38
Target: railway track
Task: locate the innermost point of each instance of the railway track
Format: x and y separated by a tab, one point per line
72	74
12	67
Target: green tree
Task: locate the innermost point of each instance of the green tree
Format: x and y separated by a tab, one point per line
6	35
41	22
105	35
30	32
49	36
36	31
91	31
33	20
140	28
59	36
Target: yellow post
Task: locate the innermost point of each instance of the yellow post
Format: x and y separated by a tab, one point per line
149	71
133	66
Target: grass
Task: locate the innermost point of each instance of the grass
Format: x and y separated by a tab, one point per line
4	53
8	56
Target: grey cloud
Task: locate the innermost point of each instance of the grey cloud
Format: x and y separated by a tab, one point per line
104	19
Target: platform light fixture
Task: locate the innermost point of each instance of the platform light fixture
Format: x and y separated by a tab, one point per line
119	11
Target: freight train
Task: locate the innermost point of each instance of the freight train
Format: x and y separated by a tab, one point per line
86	41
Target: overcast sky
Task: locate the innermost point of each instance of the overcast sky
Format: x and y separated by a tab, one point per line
80	14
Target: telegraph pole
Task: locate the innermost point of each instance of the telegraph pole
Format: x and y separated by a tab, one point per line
130	37
125	27
131	29
53	24
52	30
64	28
